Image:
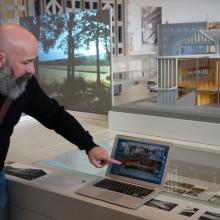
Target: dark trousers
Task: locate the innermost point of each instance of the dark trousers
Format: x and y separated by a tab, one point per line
3	197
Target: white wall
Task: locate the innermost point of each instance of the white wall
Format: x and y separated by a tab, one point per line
173	11
133	63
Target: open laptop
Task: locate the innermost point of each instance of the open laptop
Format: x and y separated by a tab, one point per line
141	174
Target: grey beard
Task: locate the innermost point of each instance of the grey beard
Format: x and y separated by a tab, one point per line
9	86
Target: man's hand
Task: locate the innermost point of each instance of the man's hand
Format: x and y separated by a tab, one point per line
99	157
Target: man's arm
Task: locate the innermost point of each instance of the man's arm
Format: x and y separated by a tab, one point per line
53	116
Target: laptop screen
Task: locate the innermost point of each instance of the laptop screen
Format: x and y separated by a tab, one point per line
140	160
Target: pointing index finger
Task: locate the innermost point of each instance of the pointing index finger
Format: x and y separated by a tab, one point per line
111	160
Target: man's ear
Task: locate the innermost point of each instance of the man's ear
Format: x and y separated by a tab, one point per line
2	59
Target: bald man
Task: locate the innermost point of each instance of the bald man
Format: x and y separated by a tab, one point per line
18	51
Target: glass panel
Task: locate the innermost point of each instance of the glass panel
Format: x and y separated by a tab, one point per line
113	50
69	4
77	4
87	5
113	40
21	2
10	14
119	12
21	13
193	174
95	5
212	49
57	9
37	5
10	2
120	34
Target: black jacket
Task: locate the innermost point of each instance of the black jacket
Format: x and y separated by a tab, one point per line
47	111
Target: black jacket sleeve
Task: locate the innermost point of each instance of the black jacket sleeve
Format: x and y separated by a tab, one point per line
53	116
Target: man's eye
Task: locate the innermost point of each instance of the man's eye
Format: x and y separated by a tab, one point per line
26	63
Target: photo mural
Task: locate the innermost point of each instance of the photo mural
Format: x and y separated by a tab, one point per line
150	18
74	58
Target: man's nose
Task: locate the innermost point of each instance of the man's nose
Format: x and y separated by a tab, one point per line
31	69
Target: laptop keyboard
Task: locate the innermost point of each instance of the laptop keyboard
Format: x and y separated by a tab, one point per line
125	188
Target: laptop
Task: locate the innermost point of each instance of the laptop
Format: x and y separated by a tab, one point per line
140	176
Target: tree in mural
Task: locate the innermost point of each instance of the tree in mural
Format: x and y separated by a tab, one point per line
97	26
58	30
72	41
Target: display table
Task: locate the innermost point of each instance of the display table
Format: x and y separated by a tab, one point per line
53	197
191	190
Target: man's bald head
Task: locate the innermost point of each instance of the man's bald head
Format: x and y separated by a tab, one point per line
18	47
13	36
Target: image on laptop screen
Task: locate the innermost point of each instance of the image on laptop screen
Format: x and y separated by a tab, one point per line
140	160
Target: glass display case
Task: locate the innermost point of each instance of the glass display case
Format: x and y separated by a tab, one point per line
193	173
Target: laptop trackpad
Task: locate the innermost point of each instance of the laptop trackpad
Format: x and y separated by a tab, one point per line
110	196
